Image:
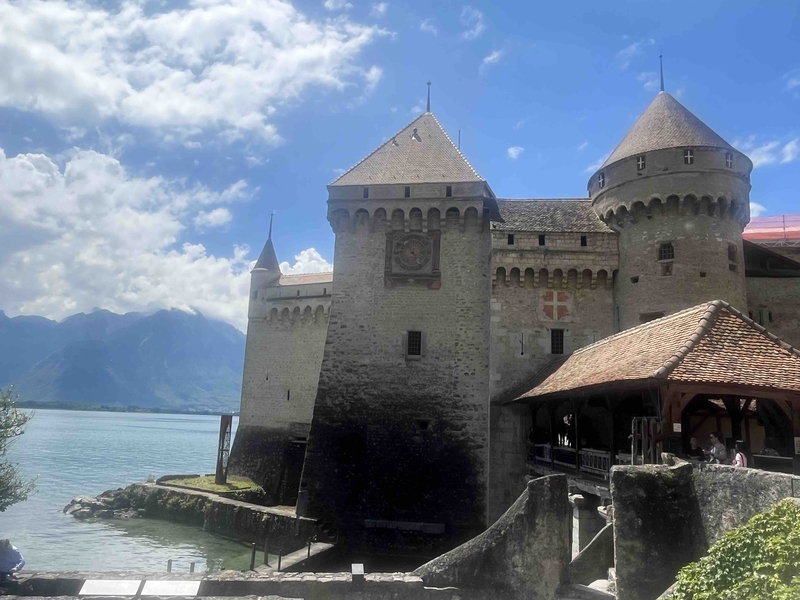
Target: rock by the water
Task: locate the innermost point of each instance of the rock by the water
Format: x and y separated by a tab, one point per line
111	504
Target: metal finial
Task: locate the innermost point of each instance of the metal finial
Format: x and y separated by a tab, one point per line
661	61
429	97
271	215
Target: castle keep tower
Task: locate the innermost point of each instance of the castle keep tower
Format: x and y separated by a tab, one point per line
679	197
398	451
286	327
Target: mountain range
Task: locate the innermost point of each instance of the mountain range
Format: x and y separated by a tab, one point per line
168	360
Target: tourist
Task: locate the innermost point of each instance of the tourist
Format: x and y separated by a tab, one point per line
11	560
718	452
695	451
740	458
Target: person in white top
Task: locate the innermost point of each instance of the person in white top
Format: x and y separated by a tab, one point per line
740	458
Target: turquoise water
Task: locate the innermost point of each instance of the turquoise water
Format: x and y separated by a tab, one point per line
72	453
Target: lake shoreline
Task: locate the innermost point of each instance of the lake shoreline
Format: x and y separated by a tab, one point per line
30	404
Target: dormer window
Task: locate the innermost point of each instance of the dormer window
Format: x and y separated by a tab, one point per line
601	180
366	192
640	163
729	160
688	157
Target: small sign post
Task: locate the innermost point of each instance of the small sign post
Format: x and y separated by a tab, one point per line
224	449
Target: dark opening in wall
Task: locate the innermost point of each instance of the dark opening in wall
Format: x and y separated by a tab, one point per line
666	251
414	347
635	279
651	316
733	255
423	425
324	291
702	273
408	192
288	395
510	239
584	241
366	192
541	239
448	191
556	341
298	292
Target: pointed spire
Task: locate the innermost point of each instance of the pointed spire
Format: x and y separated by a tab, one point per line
268	260
429	98
661	61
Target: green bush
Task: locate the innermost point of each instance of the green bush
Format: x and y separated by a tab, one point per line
758	561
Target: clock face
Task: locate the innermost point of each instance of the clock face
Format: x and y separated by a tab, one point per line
412	252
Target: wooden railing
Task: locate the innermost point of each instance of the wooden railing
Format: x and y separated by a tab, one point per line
595	462
542	454
564	456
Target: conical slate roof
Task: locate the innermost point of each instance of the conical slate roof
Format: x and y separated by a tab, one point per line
268	260
421	152
665	124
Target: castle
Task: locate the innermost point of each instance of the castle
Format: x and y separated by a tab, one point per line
380	391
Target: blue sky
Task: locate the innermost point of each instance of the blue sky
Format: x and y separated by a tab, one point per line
146	143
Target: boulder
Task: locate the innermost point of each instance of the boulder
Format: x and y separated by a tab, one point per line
82	514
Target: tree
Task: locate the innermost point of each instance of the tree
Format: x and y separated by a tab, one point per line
13	488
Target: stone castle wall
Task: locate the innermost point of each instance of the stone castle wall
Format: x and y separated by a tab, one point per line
285	339
773	302
398	441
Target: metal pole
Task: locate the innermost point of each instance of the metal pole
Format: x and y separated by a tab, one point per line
266	551
191	567
253	558
169	566
280	555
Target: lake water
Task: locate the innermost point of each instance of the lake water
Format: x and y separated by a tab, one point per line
73	453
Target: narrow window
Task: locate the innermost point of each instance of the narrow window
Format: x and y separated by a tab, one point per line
729	160
288	395
366	192
769	316
408	191
448	191
640	163
732	254
414	343
584	241
601	180
666	251
510	239
688	157
298	292
324	291
556	341
750	314
541	239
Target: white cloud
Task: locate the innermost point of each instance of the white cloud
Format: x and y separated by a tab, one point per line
650	80
756	209
628	53
769	153
491	59
255	161
790	151
308	261
520	123
472	19
379	10
582	147
73	133
223	66
596	165
338	5
420	107
428	27
792	79
215	218
514	152
91	234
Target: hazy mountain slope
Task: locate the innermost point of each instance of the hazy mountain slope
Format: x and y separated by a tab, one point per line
170	359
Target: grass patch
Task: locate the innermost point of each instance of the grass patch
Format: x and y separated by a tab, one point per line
207	483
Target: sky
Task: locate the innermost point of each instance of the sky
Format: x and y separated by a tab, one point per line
144	144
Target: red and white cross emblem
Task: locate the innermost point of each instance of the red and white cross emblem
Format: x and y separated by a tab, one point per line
555	304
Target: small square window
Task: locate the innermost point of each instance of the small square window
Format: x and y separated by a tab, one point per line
635	279
366	192
448	191
640	163
601	180
541	239
584	241
408	191
688	157
556	341
732	253
666	251
510	239
414	347
702	273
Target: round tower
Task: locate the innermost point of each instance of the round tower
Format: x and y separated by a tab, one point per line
679	197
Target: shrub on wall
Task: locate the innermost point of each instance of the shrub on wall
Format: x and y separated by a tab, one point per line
758	561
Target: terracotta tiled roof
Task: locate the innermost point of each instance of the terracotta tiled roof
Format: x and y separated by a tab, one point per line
771	229
666	123
426	155
305	278
549	215
708	343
